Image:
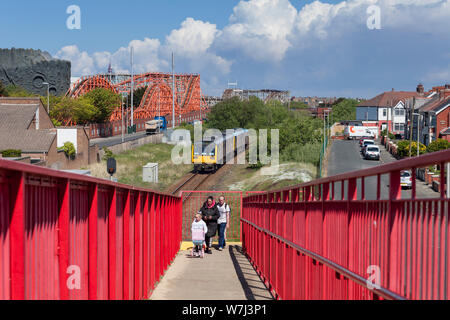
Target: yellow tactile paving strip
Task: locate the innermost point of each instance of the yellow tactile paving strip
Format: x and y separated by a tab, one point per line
188	245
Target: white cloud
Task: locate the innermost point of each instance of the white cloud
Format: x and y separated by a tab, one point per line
260	28
82	63
275	32
193	37
193	44
146	57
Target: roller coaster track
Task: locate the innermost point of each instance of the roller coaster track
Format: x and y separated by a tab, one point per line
187	86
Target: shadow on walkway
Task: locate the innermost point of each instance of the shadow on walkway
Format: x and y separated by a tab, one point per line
256	290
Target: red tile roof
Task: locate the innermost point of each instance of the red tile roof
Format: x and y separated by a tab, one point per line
389	98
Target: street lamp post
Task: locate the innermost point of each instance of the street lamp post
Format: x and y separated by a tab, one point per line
48	96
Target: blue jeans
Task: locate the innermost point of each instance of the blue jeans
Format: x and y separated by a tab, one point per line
222	228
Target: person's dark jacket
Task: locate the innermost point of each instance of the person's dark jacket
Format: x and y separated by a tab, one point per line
212	212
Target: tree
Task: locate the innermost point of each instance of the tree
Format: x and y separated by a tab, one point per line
69	150
298	105
344	109
104	102
80	111
137	96
17	91
438	145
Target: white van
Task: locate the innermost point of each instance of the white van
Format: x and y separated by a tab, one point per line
372	152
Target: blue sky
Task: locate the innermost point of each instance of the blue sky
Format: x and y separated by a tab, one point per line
308	47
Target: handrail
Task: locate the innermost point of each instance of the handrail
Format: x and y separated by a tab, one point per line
383	292
27	168
405	164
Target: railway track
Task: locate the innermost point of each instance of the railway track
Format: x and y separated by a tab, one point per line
192	182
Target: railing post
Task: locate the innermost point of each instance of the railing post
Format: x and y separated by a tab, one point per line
17	228
137	252
112	245
395	192
145	272
325	199
127	295
351	196
93	241
63	237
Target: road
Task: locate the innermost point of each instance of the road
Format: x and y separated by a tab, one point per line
112	141
345	157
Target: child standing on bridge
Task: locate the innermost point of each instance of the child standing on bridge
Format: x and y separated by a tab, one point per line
199	230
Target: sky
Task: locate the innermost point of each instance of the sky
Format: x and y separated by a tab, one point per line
353	48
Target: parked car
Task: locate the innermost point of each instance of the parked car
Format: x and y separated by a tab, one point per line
406	179
372	152
365	144
362	140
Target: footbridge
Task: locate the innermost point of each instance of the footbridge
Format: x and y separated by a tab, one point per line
66	236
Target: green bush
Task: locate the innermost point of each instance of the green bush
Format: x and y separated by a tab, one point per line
69	150
108	154
391	135
11	153
403	149
438	145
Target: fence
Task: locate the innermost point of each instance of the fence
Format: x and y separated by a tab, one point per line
66	236
310	245
193	201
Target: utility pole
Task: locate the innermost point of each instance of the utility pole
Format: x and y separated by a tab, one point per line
173	92
411	128
123	139
418	135
132	88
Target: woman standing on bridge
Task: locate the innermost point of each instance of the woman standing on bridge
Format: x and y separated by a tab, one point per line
210	214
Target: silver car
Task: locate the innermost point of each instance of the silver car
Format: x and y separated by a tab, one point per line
406	179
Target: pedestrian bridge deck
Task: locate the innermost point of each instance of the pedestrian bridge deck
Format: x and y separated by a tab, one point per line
65	236
223	275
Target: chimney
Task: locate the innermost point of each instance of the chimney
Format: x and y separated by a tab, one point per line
420	89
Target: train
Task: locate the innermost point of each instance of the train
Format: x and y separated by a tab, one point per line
209	156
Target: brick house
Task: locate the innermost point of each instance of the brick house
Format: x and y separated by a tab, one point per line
434	122
25	125
387	110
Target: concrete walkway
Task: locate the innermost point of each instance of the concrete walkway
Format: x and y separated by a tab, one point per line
222	275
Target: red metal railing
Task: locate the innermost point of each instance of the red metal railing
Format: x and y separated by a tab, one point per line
66	236
307	243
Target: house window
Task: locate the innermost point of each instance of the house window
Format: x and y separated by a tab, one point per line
399	112
384	112
399	127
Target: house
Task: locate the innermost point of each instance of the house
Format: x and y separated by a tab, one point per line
387	110
25	125
434	116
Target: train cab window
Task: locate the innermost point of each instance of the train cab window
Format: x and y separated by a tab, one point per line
201	148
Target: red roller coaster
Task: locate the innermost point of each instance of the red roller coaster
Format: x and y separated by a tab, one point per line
157	99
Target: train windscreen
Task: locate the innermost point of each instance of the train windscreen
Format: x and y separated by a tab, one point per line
200	149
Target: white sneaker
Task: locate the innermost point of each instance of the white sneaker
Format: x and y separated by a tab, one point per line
220	249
